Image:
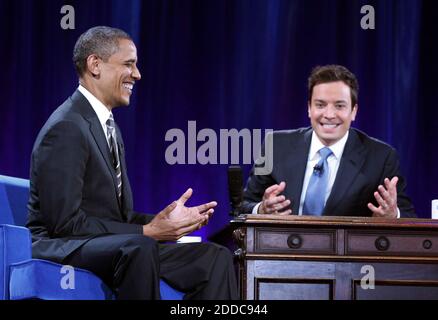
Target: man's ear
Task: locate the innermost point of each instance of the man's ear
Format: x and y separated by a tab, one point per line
308	108
354	112
93	66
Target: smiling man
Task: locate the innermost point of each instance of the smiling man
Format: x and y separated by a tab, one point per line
80	206
330	168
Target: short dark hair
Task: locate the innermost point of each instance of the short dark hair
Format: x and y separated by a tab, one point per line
102	41
333	73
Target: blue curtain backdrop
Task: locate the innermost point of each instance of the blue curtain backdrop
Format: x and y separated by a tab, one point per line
227	64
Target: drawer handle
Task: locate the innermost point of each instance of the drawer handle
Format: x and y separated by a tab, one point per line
382	243
294	241
427	244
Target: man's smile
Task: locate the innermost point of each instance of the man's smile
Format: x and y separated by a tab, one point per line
129	86
329	125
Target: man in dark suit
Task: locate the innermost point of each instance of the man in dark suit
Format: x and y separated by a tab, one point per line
80	207
330	168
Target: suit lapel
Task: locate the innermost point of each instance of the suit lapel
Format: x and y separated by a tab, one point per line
96	130
102	144
296	168
352	161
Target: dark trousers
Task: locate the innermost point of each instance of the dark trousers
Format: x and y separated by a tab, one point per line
132	266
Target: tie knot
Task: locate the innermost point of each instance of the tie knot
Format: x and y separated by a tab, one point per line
110	121
325	153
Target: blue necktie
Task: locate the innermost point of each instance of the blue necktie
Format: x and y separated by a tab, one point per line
315	194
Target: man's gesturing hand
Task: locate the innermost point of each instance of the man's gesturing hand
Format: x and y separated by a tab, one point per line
272	203
177	220
387	199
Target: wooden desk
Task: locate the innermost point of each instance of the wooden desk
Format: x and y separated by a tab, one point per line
306	257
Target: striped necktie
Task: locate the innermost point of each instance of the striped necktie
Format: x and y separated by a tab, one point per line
112	138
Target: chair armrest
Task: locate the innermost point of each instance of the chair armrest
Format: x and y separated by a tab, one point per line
15	246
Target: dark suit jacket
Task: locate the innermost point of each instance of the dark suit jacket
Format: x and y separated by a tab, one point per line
365	163
73	184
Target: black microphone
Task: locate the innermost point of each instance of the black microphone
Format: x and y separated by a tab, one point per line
318	168
235	189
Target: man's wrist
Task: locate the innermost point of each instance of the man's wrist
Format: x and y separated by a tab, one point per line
148	231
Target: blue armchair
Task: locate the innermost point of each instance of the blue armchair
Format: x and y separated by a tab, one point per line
22	277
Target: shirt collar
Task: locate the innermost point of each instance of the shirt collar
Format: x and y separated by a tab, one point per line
337	148
102	112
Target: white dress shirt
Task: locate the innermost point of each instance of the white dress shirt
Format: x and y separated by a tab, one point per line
333	164
102	112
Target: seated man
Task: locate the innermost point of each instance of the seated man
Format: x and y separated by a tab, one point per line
329	168
80	207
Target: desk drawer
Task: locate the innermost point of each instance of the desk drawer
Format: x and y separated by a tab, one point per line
393	244
295	241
